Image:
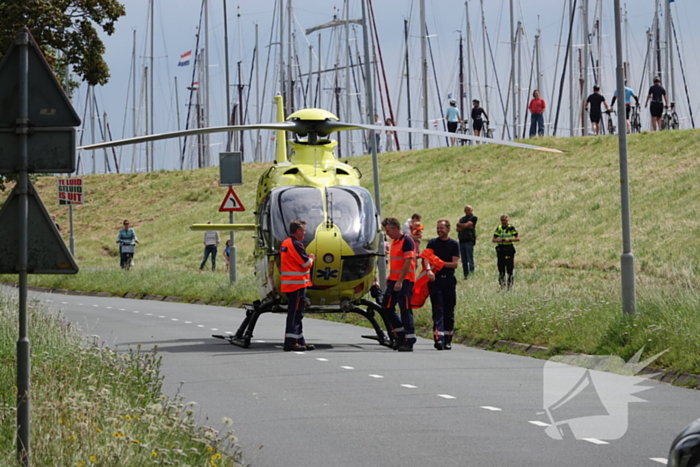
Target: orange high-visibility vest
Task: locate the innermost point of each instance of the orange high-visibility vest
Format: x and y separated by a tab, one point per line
421	290
397	259
295	274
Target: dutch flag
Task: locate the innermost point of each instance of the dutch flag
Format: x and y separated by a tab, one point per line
185	59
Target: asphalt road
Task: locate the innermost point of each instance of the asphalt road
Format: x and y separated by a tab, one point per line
354	403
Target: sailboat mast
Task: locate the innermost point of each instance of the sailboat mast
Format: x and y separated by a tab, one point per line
408	83
228	78
424	70
461	76
346	49
486	66
572	98
669	54
205	138
586	63
513	41
469	60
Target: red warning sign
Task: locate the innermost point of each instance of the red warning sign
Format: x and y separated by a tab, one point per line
231	202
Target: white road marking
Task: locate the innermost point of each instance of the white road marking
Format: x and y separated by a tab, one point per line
595	441
64	303
227	332
446	396
122	309
200	325
80	304
48	301
492	409
96	306
214	329
538	423
109	307
149	314
375	376
136	311
322	359
188	322
660	460
161	316
300	353
174	319
278	346
409	386
347	367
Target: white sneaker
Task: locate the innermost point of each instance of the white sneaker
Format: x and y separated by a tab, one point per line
132	262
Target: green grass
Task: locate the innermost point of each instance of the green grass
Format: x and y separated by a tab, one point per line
93	406
565	206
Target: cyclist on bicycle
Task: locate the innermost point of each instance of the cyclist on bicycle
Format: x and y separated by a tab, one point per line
657	94
453	118
126	236
478	115
629	94
596	113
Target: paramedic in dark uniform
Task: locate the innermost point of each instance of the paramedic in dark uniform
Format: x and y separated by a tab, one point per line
295	277
443	285
504	237
399	286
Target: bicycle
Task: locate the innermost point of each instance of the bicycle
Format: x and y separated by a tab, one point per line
463	129
635	122
670	121
128	250
610	127
487	132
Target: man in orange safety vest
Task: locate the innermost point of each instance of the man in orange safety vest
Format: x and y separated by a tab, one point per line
295	277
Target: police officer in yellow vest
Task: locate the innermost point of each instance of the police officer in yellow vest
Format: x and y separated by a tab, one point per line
504	237
295	277
399	286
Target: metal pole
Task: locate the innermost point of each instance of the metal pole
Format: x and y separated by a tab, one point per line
424	71
91	96
283	89
232	253
372	140
205	88
177	111
469	60
538	59
23	355
149	163
408	83
571	73
258	148
290	60
669	32
70	206
627	258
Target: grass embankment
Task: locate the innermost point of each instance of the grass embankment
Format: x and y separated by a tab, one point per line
565	206
93	406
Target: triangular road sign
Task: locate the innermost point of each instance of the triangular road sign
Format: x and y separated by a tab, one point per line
231	202
47	250
48	104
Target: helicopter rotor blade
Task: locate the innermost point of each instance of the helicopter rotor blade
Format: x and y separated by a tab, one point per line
421	131
295	127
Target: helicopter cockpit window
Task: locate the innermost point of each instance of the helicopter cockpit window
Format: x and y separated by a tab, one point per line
295	202
352	210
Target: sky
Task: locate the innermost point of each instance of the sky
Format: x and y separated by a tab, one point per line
175	33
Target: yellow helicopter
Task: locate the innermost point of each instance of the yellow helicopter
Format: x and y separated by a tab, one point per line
343	227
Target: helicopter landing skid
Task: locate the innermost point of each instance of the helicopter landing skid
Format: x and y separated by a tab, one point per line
244	335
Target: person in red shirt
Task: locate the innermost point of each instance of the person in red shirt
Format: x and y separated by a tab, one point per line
536	107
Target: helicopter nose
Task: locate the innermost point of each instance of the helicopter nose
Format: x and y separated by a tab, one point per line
328	264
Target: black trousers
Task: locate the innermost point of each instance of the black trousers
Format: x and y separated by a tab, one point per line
506	262
443	296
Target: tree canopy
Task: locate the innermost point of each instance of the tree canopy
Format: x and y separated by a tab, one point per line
68	26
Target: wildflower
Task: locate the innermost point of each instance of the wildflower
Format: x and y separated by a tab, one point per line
80	464
118	434
210	449
154	454
71	438
127	416
227	421
216	456
93	459
99	430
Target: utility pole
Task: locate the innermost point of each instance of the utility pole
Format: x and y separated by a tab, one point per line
424	71
373	141
629	306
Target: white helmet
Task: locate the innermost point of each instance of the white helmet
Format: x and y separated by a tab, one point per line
453	101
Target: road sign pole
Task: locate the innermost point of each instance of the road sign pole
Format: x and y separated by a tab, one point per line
232	253
23	362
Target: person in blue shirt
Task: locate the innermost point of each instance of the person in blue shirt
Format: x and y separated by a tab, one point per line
453	118
629	94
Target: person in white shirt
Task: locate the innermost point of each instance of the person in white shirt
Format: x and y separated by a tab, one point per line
211	246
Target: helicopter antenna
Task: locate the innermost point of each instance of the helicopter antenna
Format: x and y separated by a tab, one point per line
329	203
